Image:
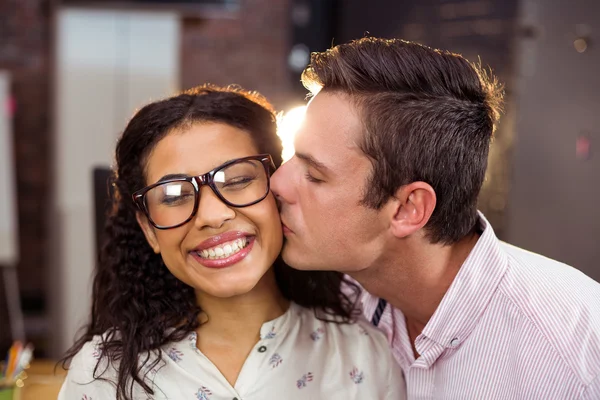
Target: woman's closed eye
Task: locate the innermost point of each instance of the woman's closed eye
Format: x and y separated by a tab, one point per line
238	183
182	198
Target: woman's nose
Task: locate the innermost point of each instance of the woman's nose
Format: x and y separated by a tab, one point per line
212	212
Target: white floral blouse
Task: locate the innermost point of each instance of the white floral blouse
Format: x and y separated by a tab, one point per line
297	357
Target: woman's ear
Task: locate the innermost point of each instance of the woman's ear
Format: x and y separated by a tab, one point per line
414	203
148	231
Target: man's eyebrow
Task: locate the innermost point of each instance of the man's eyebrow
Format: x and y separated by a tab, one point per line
310	160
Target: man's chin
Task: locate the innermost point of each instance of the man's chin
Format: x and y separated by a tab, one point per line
296	259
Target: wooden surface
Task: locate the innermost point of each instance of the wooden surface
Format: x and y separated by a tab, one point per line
42	382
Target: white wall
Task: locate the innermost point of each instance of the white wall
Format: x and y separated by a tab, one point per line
108	64
8	208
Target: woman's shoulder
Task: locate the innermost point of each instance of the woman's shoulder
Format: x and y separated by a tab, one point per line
357	333
89	358
89	374
356	356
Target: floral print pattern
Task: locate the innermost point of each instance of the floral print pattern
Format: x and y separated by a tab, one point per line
97	352
203	394
174	354
275	360
317	334
193	340
363	331
301	383
271	334
356	376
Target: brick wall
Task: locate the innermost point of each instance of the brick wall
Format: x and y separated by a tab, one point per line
24	52
250	51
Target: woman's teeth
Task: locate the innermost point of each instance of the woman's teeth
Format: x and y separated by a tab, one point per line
224	249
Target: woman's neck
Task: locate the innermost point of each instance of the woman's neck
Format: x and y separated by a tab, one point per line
231	318
230	328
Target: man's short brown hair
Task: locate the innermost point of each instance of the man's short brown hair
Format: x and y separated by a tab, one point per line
428	115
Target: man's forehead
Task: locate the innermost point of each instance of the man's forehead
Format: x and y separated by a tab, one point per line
331	118
330	132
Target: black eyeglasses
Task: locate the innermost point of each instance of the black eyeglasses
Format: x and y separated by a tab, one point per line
238	183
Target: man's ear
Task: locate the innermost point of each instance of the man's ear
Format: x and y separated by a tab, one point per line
148	231
413	205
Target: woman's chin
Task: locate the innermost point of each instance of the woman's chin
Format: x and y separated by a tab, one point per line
227	291
233	284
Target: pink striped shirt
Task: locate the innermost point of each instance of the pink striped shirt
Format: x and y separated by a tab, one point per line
513	325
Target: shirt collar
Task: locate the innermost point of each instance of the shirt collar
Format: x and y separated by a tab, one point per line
470	293
270	329
280	325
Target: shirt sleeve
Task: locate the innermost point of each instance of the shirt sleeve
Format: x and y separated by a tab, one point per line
80	383
396	382
592	391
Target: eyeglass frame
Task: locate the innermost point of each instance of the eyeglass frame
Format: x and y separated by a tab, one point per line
206	179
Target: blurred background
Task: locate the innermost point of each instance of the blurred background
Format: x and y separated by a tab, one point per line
72	72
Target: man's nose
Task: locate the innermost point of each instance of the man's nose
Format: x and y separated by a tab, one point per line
276	181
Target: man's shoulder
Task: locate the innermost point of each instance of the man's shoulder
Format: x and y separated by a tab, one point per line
561	302
548	282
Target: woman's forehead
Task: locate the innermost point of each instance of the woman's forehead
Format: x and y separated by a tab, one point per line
198	149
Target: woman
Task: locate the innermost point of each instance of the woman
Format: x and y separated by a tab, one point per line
190	299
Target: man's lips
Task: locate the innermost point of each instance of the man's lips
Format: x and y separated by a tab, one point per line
286	229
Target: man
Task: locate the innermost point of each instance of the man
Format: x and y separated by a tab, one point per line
383	187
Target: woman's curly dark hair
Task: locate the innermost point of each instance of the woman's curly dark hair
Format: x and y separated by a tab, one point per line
137	304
